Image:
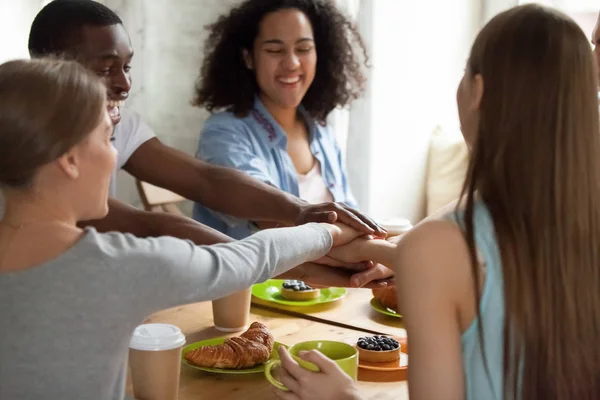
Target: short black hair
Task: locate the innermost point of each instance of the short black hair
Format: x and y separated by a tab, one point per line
56	27
226	82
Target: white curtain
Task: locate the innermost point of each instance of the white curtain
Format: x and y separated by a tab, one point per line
417	55
16	17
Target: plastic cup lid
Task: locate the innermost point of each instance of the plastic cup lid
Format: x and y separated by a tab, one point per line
397	223
156	337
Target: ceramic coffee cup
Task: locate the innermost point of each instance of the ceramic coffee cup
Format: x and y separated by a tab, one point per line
343	354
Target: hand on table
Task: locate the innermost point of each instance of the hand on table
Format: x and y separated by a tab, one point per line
340	213
331	383
322	276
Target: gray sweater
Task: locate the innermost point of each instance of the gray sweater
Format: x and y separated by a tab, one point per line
65	325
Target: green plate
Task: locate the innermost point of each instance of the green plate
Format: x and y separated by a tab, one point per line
271	291
212	342
376	305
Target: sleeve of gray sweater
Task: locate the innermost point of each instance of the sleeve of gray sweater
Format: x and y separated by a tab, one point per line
164	272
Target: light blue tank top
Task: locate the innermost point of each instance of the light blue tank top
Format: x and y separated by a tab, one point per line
478	384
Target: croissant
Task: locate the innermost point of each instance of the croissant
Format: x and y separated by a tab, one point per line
253	347
387	297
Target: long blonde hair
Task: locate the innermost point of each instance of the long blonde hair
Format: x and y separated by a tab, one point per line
536	165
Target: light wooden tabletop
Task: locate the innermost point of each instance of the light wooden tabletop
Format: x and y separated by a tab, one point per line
195	320
354	309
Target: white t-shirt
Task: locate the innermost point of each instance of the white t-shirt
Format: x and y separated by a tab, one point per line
130	134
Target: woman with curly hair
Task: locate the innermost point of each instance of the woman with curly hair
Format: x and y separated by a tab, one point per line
276	69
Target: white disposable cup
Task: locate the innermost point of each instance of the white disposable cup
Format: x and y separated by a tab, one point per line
232	313
155	361
397	226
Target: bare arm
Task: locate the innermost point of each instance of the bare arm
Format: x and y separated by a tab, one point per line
124	218
234	192
433	283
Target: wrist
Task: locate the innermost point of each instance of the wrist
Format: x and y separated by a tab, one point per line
293	209
379	251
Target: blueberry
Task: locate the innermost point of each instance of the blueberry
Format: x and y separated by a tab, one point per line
386	347
362	344
371	347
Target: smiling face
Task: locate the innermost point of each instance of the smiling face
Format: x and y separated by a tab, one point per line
284	58
107	52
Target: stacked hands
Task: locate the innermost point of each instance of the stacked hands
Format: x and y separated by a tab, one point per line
351	260
348	260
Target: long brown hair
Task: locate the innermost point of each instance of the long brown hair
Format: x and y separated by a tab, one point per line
46	107
535	164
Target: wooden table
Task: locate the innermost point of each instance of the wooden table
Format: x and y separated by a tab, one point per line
195	320
354	309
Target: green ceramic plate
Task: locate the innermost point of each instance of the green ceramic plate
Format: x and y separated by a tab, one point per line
212	342
376	305
271	291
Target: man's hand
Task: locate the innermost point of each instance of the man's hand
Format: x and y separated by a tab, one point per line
378	276
339	212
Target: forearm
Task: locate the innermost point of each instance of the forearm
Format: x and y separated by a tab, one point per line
236	193
378	251
127	219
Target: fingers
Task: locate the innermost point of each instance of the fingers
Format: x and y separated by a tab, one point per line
325	364
320	216
379	284
347	217
377	229
290	365
376	273
289	381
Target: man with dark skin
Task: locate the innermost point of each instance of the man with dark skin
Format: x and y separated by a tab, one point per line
94	36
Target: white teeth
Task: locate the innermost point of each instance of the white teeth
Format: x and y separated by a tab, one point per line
114	103
290	80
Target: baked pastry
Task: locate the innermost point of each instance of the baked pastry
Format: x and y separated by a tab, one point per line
387	297
298	291
253	347
378	349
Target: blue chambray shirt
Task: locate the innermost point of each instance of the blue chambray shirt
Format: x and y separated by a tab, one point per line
257	145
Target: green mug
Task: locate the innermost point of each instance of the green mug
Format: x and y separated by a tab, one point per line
343	354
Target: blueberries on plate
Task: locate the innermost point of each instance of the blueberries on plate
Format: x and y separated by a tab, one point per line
295	285
378	343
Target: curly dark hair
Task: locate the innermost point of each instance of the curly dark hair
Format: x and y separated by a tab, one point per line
226	82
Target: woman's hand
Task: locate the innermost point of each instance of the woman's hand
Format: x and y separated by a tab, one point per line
366	248
342	234
331	383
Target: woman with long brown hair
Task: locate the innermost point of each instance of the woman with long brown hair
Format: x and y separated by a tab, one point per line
501	299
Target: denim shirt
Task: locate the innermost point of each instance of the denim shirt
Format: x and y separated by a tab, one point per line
257	145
